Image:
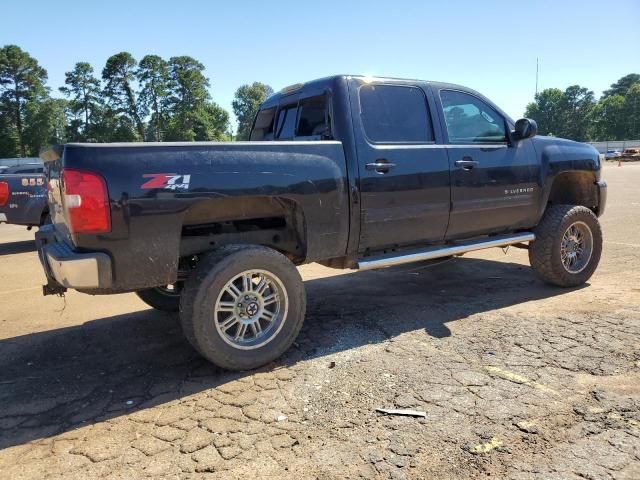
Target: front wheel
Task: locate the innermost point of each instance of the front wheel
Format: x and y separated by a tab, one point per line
568	245
243	306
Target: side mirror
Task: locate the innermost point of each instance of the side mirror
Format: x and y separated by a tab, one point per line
525	128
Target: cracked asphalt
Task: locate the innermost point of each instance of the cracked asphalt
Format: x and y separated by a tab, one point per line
518	379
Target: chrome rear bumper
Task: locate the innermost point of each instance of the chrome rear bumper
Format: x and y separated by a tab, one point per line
67	268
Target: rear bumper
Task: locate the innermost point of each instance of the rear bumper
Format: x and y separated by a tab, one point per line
67	268
602	196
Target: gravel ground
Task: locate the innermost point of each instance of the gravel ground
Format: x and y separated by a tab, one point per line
518	379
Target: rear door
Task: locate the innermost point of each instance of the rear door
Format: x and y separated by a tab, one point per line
403	173
494	183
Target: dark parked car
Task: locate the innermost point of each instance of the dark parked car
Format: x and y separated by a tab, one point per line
23	195
351	172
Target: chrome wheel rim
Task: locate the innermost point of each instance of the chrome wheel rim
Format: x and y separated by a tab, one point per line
251	309
576	247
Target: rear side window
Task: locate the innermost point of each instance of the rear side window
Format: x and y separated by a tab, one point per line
395	114
263	126
286	122
313	119
308	119
470	120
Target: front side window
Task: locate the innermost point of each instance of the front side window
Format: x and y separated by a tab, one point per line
395	114
470	120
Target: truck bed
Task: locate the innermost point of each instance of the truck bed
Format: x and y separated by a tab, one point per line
167	199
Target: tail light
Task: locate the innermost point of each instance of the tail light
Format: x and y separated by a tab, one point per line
4	193
86	201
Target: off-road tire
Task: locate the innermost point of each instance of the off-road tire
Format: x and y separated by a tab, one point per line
545	250
205	284
154	297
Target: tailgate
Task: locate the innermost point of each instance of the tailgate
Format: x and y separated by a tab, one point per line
53	162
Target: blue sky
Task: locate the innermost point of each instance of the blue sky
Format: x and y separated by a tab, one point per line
488	45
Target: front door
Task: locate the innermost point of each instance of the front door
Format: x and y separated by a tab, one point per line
494	183
404	174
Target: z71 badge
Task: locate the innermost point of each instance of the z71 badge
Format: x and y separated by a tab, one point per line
166	181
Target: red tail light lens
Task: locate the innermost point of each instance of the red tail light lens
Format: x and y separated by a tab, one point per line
86	201
4	193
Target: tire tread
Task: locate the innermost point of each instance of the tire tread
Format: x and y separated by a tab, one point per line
542	250
190	305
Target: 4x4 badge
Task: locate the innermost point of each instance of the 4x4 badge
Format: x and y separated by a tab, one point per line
167	181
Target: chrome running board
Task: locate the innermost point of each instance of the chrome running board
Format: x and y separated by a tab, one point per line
400	258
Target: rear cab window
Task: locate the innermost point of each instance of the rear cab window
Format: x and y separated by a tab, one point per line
395	114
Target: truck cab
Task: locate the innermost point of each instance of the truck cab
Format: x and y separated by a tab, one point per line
427	162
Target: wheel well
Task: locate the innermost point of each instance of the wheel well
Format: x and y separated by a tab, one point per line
277	223
574	188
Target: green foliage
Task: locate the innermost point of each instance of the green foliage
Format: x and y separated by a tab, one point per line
608	119
248	99
153	77
154	100
9	141
575	114
22	80
622	85
188	85
617	116
193	116
563	114
632	110
218	121
546	110
85	98
118	74
45	123
577	105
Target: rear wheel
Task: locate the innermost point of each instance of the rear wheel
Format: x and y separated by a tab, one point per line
243	306
568	245
165	298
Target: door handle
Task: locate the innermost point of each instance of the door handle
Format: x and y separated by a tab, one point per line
467	163
381	165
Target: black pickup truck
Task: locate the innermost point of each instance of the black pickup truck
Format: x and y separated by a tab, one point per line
23	195
348	171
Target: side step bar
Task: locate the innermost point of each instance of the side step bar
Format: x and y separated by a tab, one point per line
390	260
